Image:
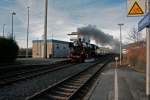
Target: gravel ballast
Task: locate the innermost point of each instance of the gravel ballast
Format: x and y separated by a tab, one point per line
23	89
32	61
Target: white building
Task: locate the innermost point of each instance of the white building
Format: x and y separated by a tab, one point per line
55	48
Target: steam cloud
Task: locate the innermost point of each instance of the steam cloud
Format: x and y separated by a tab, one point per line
99	37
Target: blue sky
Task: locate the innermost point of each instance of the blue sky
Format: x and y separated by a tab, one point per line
64	17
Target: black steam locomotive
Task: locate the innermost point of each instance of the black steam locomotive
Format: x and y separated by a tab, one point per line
81	51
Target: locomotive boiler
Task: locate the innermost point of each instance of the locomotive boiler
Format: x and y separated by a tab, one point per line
81	51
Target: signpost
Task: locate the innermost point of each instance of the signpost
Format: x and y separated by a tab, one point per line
116	59
136	7
139	8
145	23
116	96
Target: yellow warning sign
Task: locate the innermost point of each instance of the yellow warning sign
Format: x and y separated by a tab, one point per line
136	8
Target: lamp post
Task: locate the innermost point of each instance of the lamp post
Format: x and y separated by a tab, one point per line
120	25
3	30
13	13
45	29
27	33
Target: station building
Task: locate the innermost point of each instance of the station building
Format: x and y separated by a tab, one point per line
55	48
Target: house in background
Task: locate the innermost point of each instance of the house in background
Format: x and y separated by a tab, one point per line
55	48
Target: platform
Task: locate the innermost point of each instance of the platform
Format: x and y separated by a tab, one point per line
119	84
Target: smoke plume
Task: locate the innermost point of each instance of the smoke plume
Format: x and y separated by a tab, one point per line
99	37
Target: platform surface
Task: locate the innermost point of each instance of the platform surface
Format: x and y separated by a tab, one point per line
119	84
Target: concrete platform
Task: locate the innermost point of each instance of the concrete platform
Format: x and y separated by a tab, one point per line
119	84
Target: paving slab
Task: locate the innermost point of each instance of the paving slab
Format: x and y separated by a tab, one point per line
130	85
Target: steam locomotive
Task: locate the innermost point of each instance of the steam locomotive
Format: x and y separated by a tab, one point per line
81	51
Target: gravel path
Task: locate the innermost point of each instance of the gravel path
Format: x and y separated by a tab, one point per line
23	89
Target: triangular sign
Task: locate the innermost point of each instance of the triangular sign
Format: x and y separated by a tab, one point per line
136	10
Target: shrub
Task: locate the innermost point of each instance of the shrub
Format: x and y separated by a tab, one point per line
8	50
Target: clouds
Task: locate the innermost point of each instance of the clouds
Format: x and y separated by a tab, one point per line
64	16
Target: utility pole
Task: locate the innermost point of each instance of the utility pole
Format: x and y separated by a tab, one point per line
52	47
3	30
37	45
40	48
120	25
13	13
148	55
45	29
27	52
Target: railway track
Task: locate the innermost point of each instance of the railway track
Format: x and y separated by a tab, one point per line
27	73
72	87
13	67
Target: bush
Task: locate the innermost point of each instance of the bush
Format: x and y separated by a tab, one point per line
8	50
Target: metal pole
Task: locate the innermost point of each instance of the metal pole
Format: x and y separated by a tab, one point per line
148	57
120	25
3	30
52	47
116	82
12	27
45	29
116	64
40	48
120	45
27	33
13	13
148	64
37	48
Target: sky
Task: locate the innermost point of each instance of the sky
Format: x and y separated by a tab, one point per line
64	17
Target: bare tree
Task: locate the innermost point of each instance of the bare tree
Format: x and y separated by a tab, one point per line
134	35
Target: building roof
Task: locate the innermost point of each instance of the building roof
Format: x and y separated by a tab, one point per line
50	41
